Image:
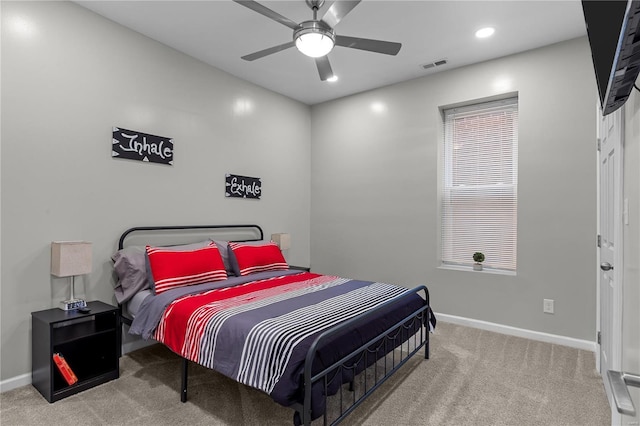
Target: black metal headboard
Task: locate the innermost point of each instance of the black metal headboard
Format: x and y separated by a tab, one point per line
184	234
222	232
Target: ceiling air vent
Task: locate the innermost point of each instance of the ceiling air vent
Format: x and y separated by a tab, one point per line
430	65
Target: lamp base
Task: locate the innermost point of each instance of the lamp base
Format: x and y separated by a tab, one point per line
70	305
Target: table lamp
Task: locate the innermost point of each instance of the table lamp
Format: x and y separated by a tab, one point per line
68	259
282	240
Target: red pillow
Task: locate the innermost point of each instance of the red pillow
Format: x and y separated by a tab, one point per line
172	269
251	258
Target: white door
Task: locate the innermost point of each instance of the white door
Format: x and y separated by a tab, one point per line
630	346
610	134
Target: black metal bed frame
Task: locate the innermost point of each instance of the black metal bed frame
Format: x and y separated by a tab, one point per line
413	328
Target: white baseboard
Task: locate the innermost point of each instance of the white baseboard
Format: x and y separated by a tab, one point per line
519	332
15	382
25	379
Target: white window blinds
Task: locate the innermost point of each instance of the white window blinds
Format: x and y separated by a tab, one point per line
480	184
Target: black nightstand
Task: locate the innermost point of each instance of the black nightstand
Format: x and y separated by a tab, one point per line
89	343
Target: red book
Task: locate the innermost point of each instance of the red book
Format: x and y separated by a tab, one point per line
64	369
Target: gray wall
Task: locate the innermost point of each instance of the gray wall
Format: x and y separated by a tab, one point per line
374	187
64	85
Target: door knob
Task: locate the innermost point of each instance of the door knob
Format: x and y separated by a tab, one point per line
606	266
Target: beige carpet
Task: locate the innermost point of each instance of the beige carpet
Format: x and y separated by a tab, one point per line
474	377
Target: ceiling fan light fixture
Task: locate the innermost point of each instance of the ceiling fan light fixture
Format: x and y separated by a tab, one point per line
314	38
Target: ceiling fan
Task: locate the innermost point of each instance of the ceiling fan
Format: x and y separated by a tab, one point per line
316	37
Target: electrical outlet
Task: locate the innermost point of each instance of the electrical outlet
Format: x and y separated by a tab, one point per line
547	306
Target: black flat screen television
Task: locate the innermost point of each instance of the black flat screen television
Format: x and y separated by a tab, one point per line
613	28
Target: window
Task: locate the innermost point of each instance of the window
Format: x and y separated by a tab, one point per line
480	184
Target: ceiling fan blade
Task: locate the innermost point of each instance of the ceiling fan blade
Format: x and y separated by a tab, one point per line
263	10
338	10
378	46
269	51
324	68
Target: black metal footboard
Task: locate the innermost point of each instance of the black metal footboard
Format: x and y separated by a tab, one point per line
389	344
387	349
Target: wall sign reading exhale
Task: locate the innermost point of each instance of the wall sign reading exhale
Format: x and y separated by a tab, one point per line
242	186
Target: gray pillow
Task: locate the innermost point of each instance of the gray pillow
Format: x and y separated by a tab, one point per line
223	248
130	265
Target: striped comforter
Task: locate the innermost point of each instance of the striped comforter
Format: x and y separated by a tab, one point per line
258	333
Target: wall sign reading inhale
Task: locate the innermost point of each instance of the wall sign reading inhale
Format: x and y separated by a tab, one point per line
134	145
242	186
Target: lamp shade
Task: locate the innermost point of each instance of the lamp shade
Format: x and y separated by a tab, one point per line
282	240
69	258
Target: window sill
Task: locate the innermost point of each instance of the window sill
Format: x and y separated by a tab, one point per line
484	270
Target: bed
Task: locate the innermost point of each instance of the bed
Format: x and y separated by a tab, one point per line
223	297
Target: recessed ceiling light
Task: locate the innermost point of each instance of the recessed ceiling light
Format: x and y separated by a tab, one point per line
333	78
485	32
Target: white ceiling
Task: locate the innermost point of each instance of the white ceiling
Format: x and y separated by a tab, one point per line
219	32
